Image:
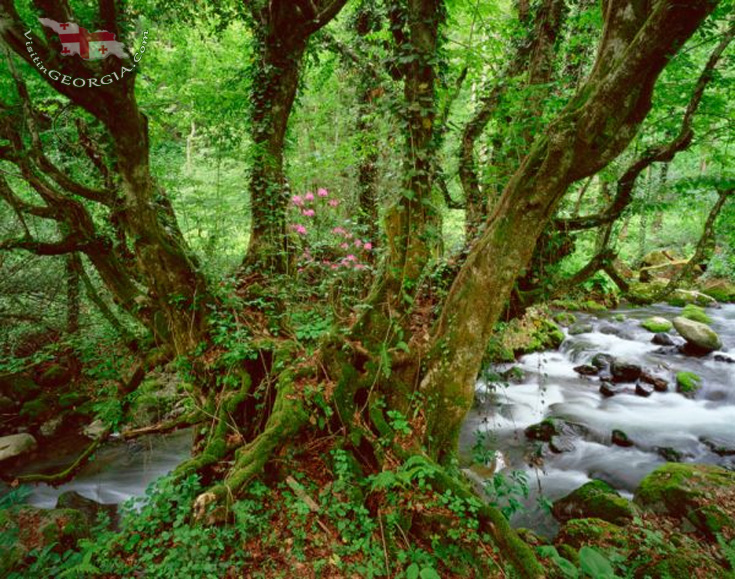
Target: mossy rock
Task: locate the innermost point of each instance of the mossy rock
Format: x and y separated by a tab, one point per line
595	499
577	533
55	376
545	430
703	495
692	312
565	318
688	383
25	528
684	564
643	293
657	324
722	290
19	387
38	408
700	337
681	298
535	332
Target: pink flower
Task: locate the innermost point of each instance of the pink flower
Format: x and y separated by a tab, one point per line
300	229
322	192
344	246
297	200
333	202
334	266
309	196
308	213
359	266
358	243
350	258
338	231
367	246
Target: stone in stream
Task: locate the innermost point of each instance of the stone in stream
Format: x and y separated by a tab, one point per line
659	384
16	445
688	383
602	360
657	324
699	336
723	358
643	389
544	430
580	328
561	444
718	446
90	509
662	339
608	389
669	454
595	499
605	375
619	438
586	370
624	371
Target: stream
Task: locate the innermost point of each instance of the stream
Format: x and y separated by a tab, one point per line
551	388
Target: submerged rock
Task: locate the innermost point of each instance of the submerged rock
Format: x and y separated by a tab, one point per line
661	339
619	438
608	389
16	445
594	499
659	384
561	444
719	446
723	358
602	360
581	328
586	370
698	335
694	493
544	430
669	454
643	389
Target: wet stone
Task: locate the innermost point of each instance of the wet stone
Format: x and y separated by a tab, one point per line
719	446
609	389
659	384
602	360
586	370
625	372
723	358
662	339
643	389
669	454
561	444
619	438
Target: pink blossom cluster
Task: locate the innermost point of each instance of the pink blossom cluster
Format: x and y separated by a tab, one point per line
319	211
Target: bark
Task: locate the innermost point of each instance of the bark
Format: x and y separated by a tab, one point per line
282	32
73	269
638	41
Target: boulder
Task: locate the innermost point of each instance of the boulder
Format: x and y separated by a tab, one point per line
669	454
619	438
602	360
657	324
51	426
659	384
95	430
698	335
561	444
608	389
625	371
719	446
688	383
681	298
721	290
586	370
723	358
89	509
663	340
694	493
594	499
577	533
643	389
656	264
544	430
581	328
16	445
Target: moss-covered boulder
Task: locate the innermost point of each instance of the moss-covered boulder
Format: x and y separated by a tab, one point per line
18	387
699	495
535	332
577	533
25	528
692	312
688	383
722	290
545	430
682	297
657	324
698	335
643	293
595	499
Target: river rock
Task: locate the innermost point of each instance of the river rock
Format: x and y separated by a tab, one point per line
723	358
16	445
659	384
594	499
657	324
602	360
608	389
544	430
586	370
580	328
643	389
561	444
50	427
682	297
624	371
95	430
698	335
688	384
669	454
695	493
90	509
662	339
619	438
719	446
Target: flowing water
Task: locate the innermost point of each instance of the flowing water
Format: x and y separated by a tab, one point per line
551	388
120	470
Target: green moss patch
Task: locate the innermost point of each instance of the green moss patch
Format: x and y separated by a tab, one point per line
657	324
688	383
696	313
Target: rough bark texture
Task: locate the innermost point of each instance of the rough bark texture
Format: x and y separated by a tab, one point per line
596	126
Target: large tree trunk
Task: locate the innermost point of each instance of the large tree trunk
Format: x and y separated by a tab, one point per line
594	128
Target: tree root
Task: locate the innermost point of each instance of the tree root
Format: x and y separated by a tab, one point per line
68	473
286	420
183	421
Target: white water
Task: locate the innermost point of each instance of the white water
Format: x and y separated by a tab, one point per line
551	388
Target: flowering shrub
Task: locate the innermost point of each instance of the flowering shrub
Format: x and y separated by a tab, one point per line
328	241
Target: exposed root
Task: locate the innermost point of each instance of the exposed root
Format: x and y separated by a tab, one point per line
183	421
68	473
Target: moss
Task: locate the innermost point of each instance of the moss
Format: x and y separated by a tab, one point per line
535	332
565	318
691	492
35	409
595	499
577	533
696	313
657	324
688	382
